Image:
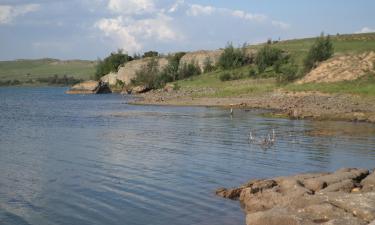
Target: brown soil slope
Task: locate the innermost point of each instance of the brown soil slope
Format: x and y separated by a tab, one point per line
340	68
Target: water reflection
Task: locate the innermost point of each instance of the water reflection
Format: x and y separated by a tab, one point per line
94	160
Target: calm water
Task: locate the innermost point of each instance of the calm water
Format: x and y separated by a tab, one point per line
70	160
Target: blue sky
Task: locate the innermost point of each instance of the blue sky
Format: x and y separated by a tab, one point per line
88	29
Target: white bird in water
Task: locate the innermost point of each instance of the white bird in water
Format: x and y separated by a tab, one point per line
266	142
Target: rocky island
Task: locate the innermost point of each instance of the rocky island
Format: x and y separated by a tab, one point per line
345	197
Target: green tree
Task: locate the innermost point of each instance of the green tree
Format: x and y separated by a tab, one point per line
111	63
269	56
320	51
232	57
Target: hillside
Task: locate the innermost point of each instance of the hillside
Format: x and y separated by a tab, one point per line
25	70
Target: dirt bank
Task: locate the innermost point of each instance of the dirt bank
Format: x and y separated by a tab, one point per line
309	105
345	197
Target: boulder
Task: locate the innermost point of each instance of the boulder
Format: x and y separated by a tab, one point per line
314	198
110	79
369	182
139	89
128	72
89	87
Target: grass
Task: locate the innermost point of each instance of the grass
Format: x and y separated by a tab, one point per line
364	86
343	44
217	88
24	70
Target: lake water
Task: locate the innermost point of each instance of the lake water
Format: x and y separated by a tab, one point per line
94	159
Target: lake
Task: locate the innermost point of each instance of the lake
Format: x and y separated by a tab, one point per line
94	159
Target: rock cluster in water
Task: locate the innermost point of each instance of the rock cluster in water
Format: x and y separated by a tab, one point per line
345	197
90	87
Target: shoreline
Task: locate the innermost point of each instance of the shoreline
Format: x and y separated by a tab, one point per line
299	105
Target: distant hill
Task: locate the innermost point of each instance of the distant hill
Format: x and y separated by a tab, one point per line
27	70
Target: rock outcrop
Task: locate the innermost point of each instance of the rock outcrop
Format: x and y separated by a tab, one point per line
200	57
128	72
340	68
89	87
344	197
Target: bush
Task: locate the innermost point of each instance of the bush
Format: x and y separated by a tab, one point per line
227	76
208	66
188	70
252	72
232	58
269	56
148	75
171	71
111	63
150	54
288	73
320	51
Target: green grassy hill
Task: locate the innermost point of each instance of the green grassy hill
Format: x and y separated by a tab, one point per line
298	49
33	70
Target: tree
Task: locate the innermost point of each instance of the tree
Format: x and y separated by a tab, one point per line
111	63
268	56
320	51
232	58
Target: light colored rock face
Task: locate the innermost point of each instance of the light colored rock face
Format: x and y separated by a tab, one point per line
200	57
340	68
128	72
320	198
89	87
110	78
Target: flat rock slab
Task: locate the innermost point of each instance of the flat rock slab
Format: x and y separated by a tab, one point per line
344	197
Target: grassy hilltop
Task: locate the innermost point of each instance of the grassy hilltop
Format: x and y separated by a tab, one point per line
31	72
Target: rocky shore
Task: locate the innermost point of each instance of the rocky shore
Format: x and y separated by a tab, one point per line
345	197
306	105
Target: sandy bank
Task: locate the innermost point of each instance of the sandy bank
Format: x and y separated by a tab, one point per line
311	105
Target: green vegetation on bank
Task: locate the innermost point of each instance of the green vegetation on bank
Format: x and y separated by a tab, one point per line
278	63
35	72
111	63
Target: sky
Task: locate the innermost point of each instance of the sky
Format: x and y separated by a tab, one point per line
91	29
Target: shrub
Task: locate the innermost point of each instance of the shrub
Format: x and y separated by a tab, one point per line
269	56
148	75
111	63
176	87
227	76
252	72
320	51
232	57
288	73
150	54
171	71
208	66
188	70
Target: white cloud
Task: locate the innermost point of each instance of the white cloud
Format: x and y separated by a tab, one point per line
197	10
248	16
8	12
280	24
176	5
131	7
365	30
130	33
114	28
